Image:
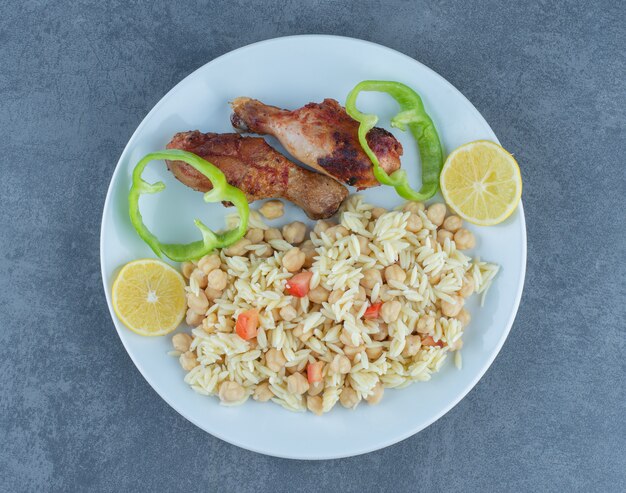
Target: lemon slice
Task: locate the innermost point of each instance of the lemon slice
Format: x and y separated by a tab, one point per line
149	297
481	182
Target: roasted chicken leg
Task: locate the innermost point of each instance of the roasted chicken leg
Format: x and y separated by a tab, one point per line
261	172
323	136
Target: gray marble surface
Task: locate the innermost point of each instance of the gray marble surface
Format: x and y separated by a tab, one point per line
78	77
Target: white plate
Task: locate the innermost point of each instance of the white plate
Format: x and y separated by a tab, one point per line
290	72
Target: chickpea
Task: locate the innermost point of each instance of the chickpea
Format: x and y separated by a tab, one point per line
209	262
229	326
452	309
340	364
345	337
378	211
238	249
272	234
377	394
395	273
294	233
436	213
456	345
414	207
464	239
188	360
199	277
316	388
351	351
426	325
314	404
390	311
383	332
272	209
263	392
414	223
364	245
181	342
288	313
382	293
217	280
464	317
198	303
309	252
293	260
300	334
187	268
274	359
297	383
373	353
370	278
467	288
212	294
453	223
442	234
193	319
321	227
255	235
208	324
337	232
318	295
348	398
265	252
361	295
434	278
335	295
231	392
412	346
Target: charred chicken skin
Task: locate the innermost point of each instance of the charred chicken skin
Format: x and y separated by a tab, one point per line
261	172
322	136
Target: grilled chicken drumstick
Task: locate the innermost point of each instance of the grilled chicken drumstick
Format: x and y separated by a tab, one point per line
323	136
261	172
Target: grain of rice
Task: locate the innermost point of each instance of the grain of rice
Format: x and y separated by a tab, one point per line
458	360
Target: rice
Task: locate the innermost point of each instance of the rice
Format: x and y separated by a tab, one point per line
435	274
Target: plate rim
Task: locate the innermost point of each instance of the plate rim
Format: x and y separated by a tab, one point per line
410	431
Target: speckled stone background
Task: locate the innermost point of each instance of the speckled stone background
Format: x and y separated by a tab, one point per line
76	80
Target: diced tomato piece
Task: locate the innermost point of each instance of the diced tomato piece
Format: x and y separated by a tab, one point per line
298	285
429	341
372	311
314	371
247	324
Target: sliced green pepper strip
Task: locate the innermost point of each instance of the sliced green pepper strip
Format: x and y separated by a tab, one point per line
412	115
221	191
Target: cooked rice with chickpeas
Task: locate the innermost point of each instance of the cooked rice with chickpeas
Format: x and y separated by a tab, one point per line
383	307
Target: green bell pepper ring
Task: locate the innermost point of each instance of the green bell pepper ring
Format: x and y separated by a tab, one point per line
412	115
221	191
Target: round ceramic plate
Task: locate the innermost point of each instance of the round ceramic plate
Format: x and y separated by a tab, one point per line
290	72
